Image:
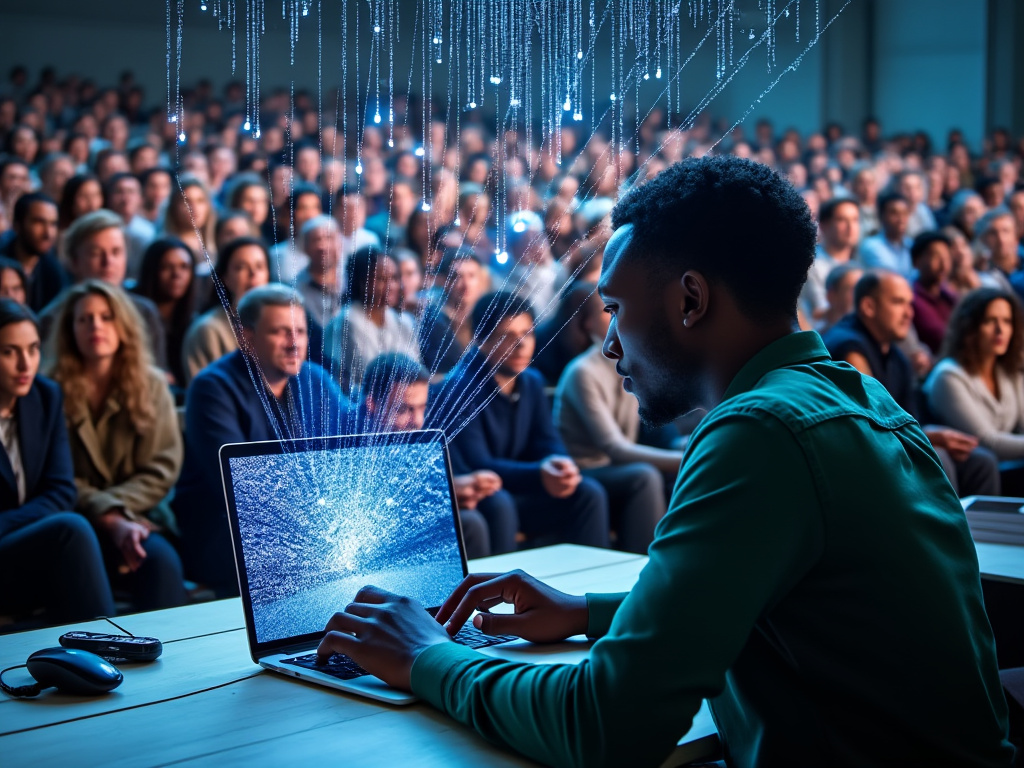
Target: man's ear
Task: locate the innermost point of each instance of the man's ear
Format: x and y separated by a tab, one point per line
868	307
693	297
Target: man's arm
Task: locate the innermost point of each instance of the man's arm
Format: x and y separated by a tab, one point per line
739	535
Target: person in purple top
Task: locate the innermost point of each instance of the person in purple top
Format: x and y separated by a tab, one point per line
934	299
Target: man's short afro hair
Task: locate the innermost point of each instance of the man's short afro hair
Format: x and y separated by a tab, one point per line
735	221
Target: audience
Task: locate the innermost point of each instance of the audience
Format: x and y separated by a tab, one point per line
890	248
125	440
866	339
264	391
445	331
839	220
13	283
493	407
241	266
82	194
49	555
934	299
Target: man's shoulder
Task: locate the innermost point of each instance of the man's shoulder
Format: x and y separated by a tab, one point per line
844	337
222	373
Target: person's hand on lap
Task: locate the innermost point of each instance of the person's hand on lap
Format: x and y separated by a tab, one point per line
542	613
559	476
383	633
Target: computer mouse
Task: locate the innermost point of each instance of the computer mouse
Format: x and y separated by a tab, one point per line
73	671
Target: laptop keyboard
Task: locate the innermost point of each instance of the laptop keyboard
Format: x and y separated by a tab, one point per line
344	668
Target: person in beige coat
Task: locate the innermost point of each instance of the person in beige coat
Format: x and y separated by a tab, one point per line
126	445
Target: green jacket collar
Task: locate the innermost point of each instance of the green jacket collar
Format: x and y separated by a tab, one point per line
792	349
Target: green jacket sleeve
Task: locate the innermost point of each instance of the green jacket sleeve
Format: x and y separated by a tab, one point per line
738	535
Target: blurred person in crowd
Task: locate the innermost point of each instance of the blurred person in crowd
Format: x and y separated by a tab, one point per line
839	222
864	187
109	162
913	185
126	445
190	216
287	258
249	193
319	282
83	194
391	222
963	277
124	197
890	248
13	283
33	248
530	269
241	266
350	212
965	208
445	329
54	173
156	189
167	278
839	287
143	157
232	225
934	299
997	246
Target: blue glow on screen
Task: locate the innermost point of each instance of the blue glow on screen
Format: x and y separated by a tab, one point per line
317	526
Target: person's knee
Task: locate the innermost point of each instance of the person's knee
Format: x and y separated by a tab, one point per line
162	559
475	533
591	499
71	530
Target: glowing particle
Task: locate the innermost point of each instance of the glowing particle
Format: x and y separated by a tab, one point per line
246	125
579	54
181	137
519	226
646	76
567	106
612	97
359	168
658	73
391	142
501	257
418	152
376	118
426	207
376	28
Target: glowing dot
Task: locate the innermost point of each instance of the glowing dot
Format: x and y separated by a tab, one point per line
579	54
519	226
613	97
646	76
305	11
501	257
202	7
258	133
391	142
426	207
495	80
359	168
658	73
567	106
577	116
181	136
513	102
376	28
376	118
751	35
472	105
321	502
246	125
438	61
457	221
437	41
174	118
418	152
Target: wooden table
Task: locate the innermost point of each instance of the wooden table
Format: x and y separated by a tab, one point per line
205	702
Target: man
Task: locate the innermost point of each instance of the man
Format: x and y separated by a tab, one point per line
839	219
814	578
933	298
156	188
867	338
534	272
95	249
123	196
997	236
54	173
287	258
600	424
320	281
395	390
839	293
15	181
913	186
390	224
264	391
350	211
890	248
864	186
445	328
35	235
493	408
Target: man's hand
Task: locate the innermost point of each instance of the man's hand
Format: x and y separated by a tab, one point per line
542	613
958	444
559	475
383	633
466	494
487	483
921	361
127	537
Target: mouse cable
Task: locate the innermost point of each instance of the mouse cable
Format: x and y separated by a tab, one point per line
111	621
20	691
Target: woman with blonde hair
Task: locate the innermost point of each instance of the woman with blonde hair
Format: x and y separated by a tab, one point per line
191	217
126	445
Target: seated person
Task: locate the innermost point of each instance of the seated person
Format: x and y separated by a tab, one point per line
167	278
264	391
95	249
125	439
49	555
34	222
241	266
890	248
319	281
445	329
978	387
933	298
395	400
600	424
839	285
814	580
867	338
561	337
839	222
13	283
530	270
493	409
286	257
368	325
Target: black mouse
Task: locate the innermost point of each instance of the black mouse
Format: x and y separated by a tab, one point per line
73	671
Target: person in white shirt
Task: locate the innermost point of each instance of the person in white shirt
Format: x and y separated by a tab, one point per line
839	221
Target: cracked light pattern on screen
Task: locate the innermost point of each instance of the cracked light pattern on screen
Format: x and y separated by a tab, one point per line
317	526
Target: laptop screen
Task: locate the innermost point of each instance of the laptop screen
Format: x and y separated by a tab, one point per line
317	524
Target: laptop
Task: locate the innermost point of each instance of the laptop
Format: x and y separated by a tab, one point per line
313	520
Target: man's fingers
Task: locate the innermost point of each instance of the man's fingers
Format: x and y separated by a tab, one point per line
448	607
335	642
372	594
488	593
499	623
344	621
